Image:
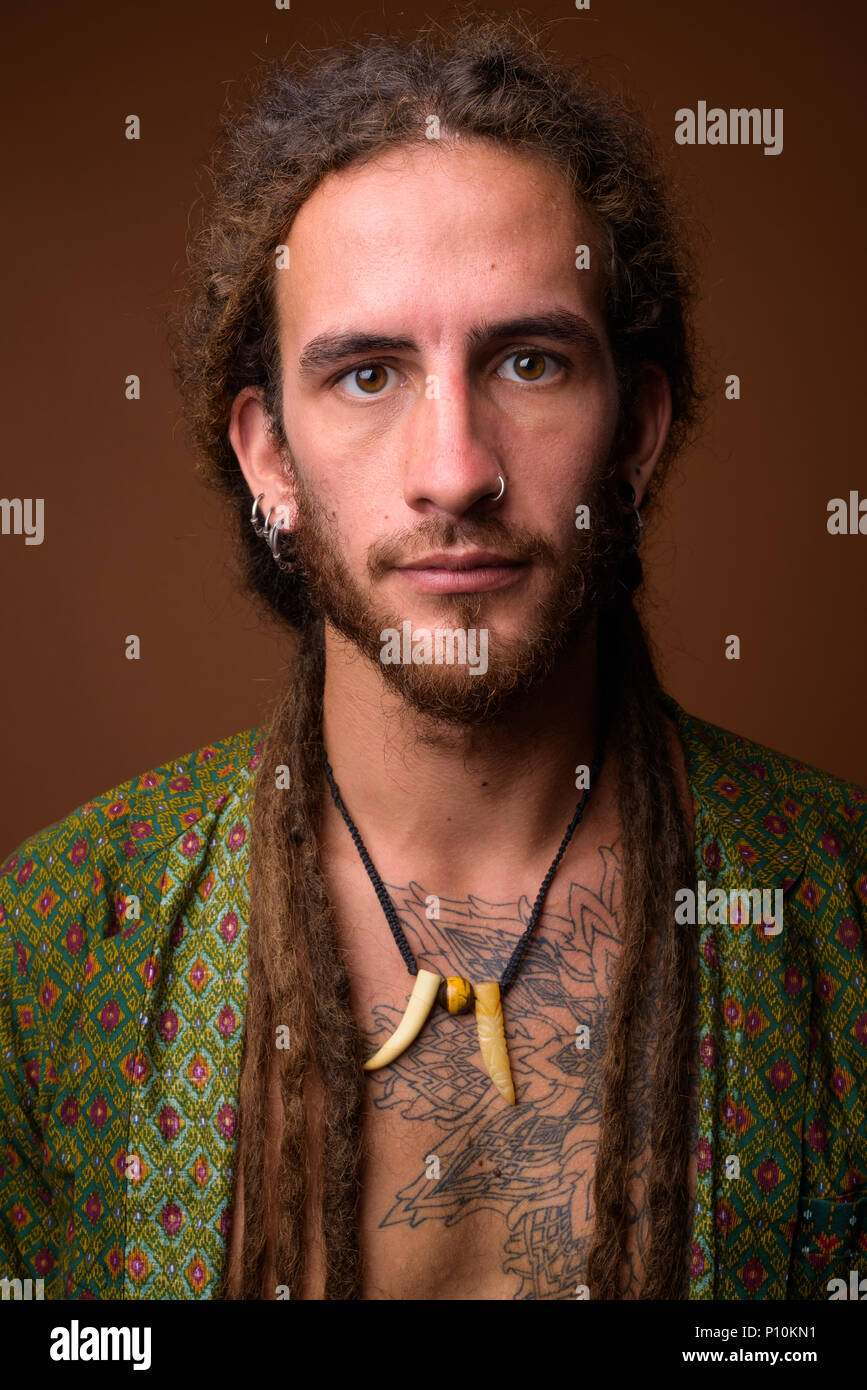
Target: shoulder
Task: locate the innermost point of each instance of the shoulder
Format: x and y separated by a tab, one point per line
69	868
781	1007
730	773
84	904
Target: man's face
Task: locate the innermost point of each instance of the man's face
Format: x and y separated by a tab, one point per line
395	446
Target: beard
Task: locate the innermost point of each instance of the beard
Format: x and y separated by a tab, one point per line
578	583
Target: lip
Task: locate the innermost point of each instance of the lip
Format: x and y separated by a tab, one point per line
472	572
469	560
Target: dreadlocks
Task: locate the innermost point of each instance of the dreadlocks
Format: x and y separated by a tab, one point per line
487	77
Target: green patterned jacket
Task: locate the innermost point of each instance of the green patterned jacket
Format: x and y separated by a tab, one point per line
122	997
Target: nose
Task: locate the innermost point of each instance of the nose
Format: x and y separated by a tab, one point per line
454	462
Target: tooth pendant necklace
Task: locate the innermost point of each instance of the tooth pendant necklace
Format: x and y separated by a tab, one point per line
455	994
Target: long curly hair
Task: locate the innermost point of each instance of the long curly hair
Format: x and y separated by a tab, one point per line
495	78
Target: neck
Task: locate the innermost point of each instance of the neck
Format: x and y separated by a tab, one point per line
451	796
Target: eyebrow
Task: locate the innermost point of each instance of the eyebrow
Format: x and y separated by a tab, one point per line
563	325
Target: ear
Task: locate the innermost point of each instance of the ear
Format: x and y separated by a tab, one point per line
260	458
647	431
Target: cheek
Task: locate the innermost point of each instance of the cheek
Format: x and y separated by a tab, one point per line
332	452
576	425
361	497
353	518
557	473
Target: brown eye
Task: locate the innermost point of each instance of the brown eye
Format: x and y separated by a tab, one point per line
371	379
531	365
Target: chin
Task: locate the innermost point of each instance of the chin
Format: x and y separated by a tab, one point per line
478	692
452	703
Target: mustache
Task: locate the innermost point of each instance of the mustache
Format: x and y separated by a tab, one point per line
516	543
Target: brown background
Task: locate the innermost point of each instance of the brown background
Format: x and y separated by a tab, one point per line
94	234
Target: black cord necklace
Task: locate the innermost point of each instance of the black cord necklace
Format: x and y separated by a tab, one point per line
455	993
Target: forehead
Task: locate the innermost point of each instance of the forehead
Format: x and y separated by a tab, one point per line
440	234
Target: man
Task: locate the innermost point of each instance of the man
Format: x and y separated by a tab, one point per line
435	350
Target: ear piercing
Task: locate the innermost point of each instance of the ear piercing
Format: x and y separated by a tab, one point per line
270	531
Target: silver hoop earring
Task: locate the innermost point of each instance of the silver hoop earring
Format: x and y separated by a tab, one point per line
637	517
271	533
627	492
254	516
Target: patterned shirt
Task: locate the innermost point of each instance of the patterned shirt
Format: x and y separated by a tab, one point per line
123	989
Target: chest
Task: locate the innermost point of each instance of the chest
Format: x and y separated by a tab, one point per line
463	1195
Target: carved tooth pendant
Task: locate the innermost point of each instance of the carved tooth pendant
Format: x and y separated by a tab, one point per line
489	1020
492	1038
421	1001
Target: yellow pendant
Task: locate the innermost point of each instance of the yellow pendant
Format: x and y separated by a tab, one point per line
421	1001
492	1038
455	994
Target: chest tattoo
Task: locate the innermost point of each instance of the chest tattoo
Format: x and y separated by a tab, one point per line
532	1162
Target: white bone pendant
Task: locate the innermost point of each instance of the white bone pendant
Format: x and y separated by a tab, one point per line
421	1001
492	1038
